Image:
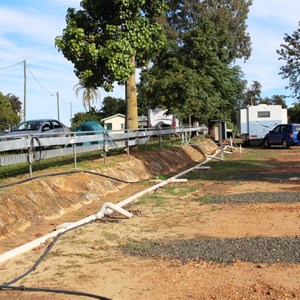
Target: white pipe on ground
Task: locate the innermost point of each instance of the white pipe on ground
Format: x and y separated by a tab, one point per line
62	228
228	152
35	243
106	208
29	246
108	205
215	157
163	183
180	180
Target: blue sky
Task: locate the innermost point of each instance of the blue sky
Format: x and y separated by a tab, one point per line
28	30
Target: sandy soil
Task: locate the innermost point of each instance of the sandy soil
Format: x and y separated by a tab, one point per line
89	258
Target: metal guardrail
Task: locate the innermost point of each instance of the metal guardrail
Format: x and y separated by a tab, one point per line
72	143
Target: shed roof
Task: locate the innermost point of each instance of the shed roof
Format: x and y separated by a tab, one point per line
113	116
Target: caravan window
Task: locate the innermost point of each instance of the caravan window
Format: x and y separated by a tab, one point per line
263	114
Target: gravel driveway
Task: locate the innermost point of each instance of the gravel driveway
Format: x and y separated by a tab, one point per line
229	250
256	250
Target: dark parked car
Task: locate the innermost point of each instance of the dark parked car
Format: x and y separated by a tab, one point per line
285	135
38	126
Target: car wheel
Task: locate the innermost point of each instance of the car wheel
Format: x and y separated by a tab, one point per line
266	144
285	144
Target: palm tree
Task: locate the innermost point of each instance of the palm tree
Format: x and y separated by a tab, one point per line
90	95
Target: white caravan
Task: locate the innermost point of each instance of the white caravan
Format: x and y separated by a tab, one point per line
158	118
257	121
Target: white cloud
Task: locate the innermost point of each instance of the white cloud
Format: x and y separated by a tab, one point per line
28	26
268	22
282	11
28	30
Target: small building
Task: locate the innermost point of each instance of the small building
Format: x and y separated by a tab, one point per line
114	123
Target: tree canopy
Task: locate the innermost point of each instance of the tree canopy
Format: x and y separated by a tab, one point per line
106	40
229	16
274	100
196	75
294	113
91	115
253	97
112	106
253	94
290	53
8	113
16	103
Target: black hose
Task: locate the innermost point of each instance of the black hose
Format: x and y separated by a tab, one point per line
38	153
16	183
37	263
71	172
46	290
8	285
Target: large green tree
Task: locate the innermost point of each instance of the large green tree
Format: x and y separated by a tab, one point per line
274	100
196	75
15	103
253	94
106	40
112	106
81	117
294	113
8	116
229	16
290	53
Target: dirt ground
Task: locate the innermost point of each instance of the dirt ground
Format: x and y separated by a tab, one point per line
89	259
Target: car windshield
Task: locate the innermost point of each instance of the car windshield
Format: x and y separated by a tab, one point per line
297	128
28	125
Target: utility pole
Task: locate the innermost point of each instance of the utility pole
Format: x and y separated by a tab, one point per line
71	112
24	104
57	100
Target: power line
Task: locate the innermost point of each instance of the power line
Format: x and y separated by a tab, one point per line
39	82
52	75
36	69
21	62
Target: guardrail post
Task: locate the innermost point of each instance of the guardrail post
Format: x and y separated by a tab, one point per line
75	154
127	147
30	161
105	146
160	141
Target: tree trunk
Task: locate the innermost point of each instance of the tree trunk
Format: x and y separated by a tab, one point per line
131	102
